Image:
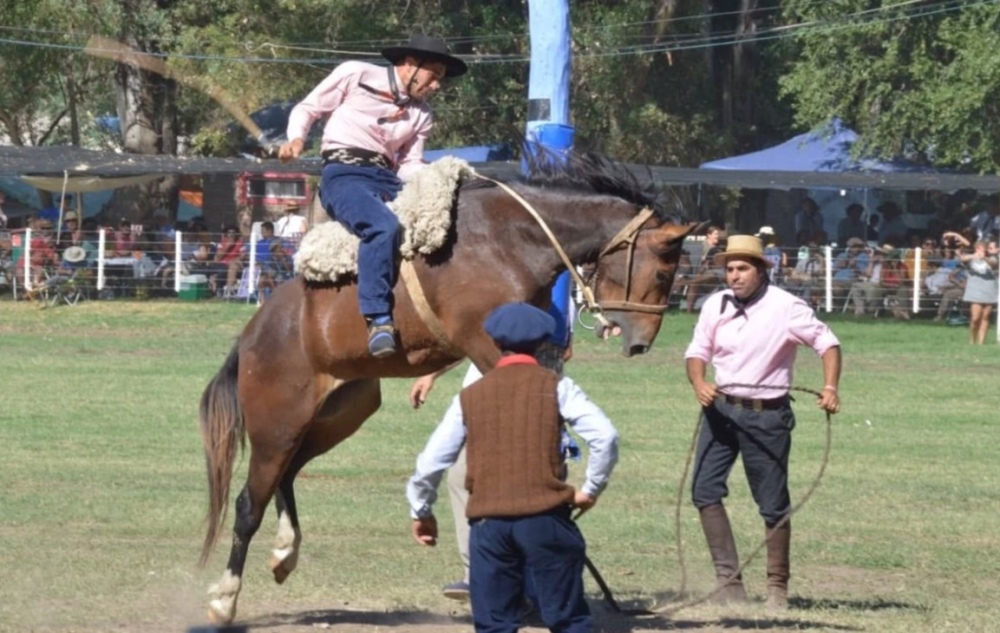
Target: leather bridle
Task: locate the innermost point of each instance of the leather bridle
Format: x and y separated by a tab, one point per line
628	237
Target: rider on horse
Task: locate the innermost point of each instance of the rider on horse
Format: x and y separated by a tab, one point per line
374	137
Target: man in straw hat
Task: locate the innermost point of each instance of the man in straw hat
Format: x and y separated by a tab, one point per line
749	333
378	123
292	225
519	506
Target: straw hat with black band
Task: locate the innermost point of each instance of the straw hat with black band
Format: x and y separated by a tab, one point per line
742	246
427	49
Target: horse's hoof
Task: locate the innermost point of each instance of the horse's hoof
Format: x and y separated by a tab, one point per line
279	570
217	619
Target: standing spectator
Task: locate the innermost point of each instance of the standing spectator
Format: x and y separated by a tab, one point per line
291	226
872	233
709	275
750	334
519	502
278	270
852	225
808	222
894	229
985	225
980	286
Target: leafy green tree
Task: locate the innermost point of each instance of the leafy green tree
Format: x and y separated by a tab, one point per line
919	80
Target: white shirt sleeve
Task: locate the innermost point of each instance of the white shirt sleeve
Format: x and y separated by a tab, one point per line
439	454
594	427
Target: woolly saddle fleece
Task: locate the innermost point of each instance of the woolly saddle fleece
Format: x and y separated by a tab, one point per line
329	252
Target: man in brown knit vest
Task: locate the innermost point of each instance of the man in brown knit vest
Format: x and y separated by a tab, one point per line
519	505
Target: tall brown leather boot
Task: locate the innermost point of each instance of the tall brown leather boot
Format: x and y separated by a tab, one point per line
719	534
778	545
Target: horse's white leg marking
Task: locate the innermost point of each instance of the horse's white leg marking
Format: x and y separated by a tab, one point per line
223	595
285	555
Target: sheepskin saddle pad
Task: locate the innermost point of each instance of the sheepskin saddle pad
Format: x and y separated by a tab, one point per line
329	252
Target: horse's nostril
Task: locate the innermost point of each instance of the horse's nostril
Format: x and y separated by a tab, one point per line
635	350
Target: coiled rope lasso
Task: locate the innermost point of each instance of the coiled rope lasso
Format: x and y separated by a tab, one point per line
670	609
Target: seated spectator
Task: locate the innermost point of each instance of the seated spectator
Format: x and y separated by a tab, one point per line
947	280
279	269
262	255
807	276
200	263
884	274
43	253
124	239
850	264
773	254
808	221
894	229
873	228
71	232
708	275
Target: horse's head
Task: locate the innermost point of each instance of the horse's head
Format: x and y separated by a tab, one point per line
633	279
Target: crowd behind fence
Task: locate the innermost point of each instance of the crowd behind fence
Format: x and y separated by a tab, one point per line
122	262
38	264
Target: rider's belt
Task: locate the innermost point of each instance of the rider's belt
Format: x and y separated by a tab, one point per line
357	157
757	404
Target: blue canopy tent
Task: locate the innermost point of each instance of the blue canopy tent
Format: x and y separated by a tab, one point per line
828	149
825	149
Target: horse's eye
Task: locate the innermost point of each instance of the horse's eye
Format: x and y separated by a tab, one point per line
664	277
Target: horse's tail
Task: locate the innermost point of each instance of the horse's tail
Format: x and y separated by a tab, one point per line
221	421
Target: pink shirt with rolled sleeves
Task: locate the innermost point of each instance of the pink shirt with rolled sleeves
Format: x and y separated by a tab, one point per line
758	348
354	115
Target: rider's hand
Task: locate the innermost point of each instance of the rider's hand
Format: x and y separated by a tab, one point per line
291	149
421	387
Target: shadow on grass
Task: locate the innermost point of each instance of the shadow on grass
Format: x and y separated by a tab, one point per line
332	617
876	604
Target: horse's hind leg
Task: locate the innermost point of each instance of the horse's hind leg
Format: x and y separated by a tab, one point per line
270	455
343	413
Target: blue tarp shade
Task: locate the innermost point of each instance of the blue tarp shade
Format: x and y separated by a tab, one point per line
472	153
827	149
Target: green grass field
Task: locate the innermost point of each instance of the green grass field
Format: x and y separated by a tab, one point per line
102	487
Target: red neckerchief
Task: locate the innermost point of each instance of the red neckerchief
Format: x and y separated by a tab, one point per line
516	359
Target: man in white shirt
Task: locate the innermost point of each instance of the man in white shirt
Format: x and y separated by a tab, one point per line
291	226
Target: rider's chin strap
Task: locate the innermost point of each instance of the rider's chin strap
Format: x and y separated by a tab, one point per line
588	294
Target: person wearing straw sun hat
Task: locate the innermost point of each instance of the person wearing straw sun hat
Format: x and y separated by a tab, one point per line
378	120
749	333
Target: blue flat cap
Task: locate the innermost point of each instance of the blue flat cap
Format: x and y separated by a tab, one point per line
519	327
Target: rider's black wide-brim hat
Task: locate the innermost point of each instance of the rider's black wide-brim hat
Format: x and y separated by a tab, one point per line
425	47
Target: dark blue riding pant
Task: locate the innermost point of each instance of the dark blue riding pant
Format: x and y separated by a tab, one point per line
355	196
763	438
505	551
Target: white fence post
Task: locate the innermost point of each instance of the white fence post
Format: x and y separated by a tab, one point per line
101	242
178	241
828	256
918	256
251	281
27	259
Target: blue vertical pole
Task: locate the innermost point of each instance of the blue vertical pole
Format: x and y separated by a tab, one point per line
548	114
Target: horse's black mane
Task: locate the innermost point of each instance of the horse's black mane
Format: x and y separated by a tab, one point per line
597	173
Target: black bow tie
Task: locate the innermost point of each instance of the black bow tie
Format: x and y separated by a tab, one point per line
741	305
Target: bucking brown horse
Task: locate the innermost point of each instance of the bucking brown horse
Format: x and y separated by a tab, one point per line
299	379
